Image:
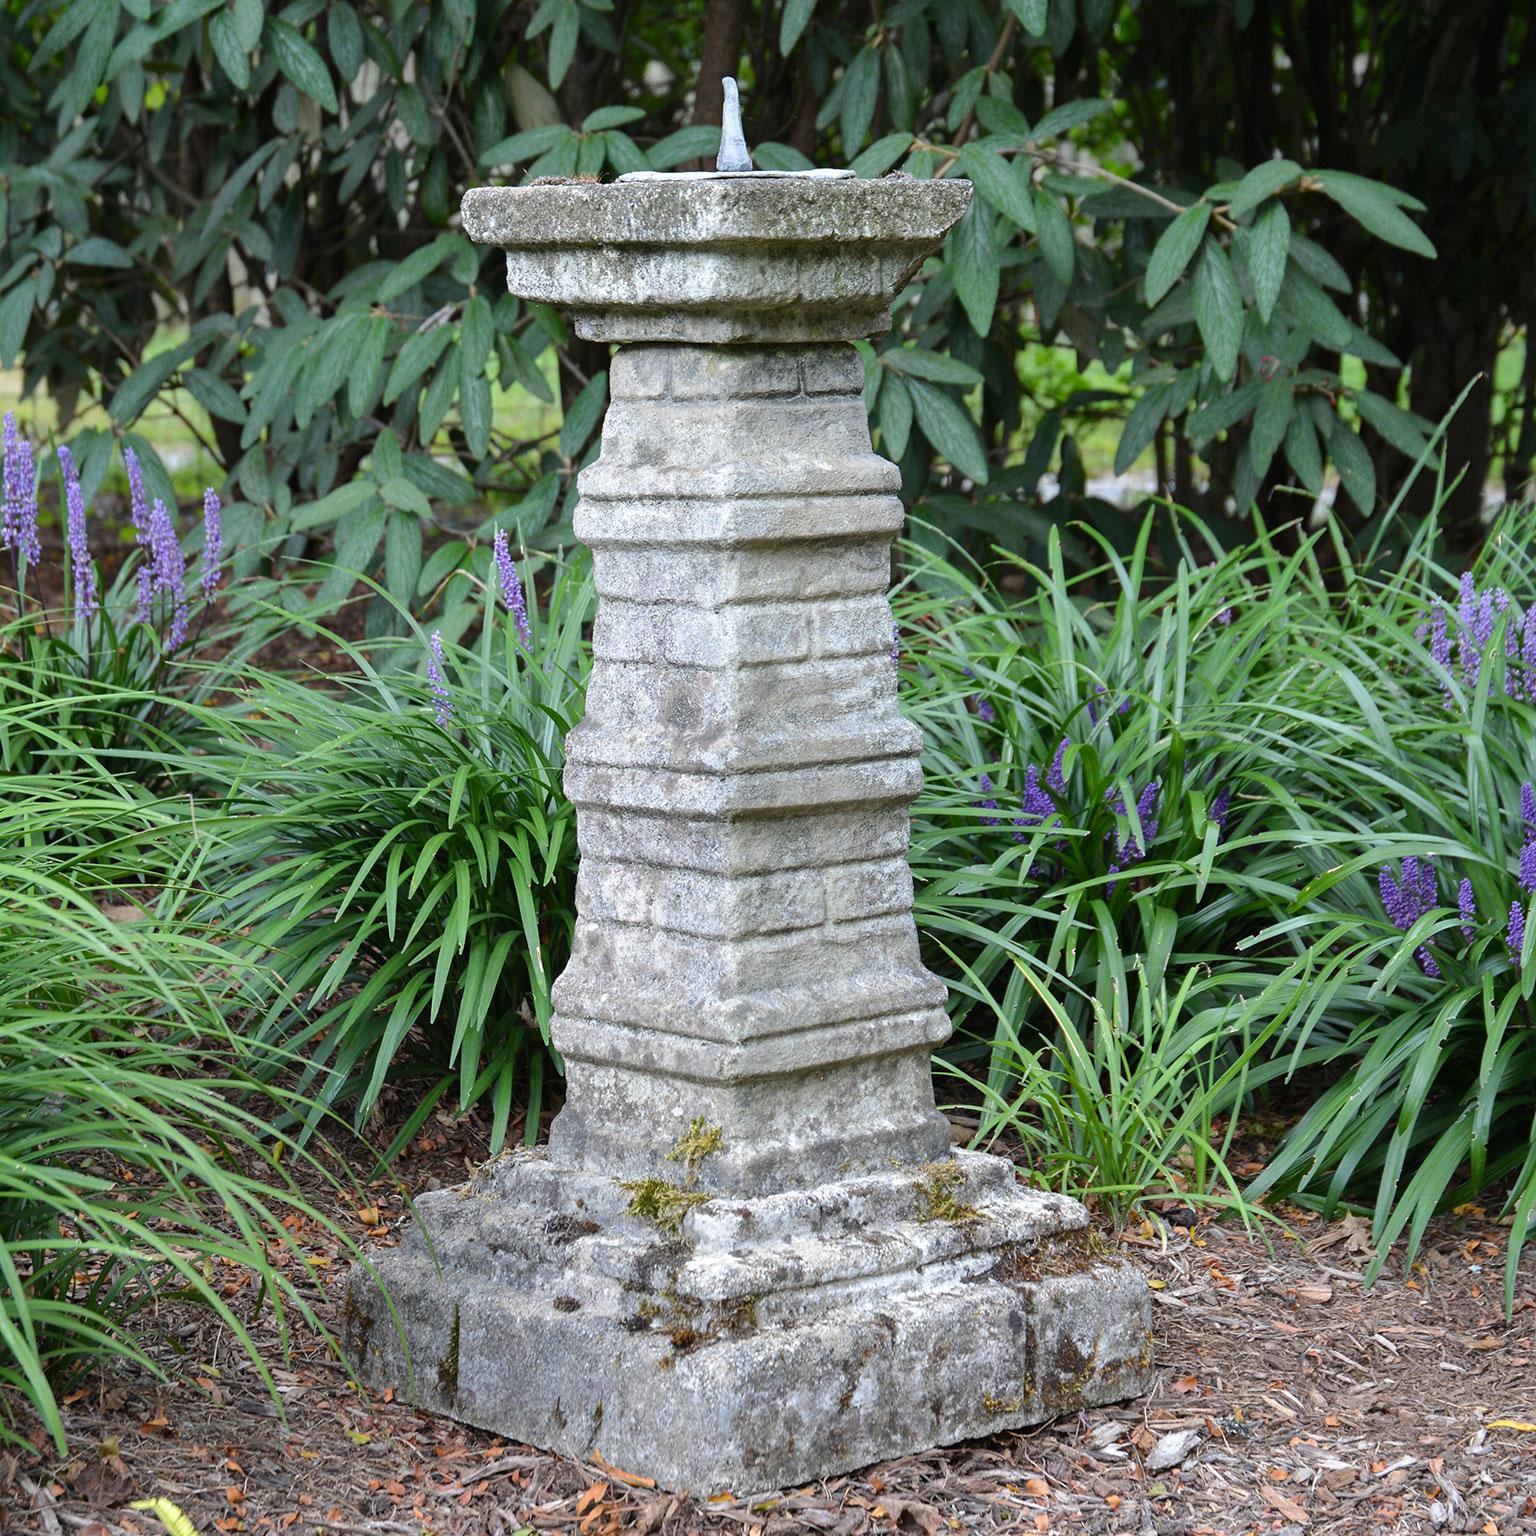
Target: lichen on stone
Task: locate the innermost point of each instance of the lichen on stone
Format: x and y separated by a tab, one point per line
938	1194
662	1204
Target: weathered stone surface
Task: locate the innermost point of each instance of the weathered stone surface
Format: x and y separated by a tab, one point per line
751	1344
717	259
747	1257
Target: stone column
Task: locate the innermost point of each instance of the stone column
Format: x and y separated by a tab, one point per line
748	1256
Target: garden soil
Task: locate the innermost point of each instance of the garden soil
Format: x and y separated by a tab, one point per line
1289	1399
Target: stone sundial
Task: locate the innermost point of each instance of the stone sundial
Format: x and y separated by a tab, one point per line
748	1256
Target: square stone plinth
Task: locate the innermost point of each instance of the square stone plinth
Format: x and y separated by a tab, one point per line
717	1343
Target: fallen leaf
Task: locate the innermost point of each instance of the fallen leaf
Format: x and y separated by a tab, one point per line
1289	1508
590	1496
1172	1448
1520	1424
1187	1384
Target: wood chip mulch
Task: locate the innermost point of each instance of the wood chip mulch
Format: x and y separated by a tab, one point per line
1289	1400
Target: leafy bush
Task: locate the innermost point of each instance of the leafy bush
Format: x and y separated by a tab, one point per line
1422	885
241	210
137	1149
397	847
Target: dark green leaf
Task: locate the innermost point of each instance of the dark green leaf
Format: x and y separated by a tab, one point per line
1318	264
562	42
534	141
1218	308
1141	426
1403	431
1069	115
611	117
328	509
476	334
300	62
861	90
881	155
15	315
1269	245
214	395
1356	472
234	60
973	266
582	418
1032	15
919	363
1004	184
98	251
145	382
419	264
1055	237
345	34
1223	412
1261	182
402	556
1277	405
1175	247
1302	453
404	495
475	412
1374	207
701	141
797	16
419	353
1312	309
895	415
948	426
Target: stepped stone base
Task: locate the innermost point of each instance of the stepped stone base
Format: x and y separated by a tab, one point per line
713	1342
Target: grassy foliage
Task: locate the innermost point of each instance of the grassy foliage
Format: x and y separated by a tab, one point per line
137	1156
399	850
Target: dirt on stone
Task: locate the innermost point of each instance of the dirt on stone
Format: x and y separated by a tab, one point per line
1289	1399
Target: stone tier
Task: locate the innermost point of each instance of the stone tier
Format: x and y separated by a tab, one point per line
745	953
726	1344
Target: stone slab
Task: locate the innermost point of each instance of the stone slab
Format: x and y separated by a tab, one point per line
743	1345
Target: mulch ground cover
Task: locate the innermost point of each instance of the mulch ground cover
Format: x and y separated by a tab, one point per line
1289	1399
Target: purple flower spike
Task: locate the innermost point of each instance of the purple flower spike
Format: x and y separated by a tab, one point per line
1528	865
989	802
138	506
146	604
985	712
1466	905
512	591
213	543
1055	777
1514	937
18	520
81	567
1407	901
10	508
441	701
169	572
164	550
1220	808
1037	805
1528	807
1146	811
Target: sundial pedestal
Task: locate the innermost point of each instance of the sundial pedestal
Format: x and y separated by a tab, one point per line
748	1257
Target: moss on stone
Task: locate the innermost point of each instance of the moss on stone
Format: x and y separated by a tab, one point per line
1067	1253
699	1141
938	1194
662	1204
448	1366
